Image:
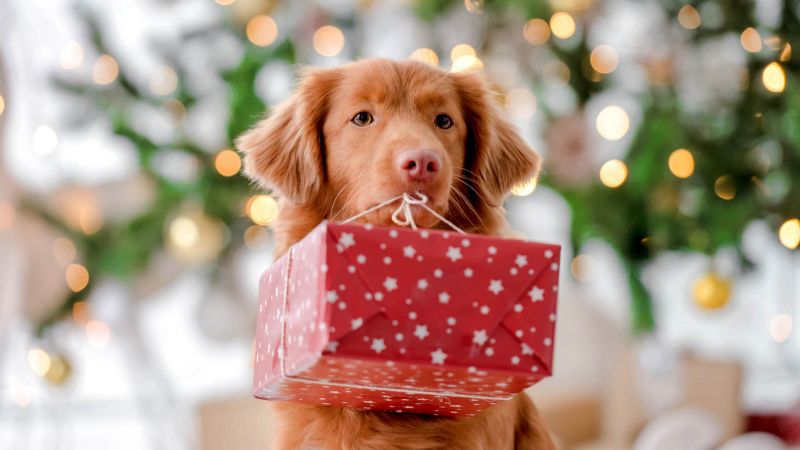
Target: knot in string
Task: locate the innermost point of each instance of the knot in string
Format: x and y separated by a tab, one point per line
402	215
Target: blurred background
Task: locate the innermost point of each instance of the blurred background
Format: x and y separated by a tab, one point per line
130	245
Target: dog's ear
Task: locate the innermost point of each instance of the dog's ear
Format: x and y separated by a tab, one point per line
496	154
286	150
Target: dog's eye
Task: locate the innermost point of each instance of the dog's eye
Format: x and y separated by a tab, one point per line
444	121
362	119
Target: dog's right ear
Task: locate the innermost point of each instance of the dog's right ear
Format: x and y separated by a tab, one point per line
285	151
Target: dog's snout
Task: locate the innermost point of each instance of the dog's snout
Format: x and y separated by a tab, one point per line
419	165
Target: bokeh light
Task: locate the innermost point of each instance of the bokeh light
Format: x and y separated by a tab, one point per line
20	394
604	59
105	70
581	267
224	2
780	327
750	40
689	18
789	233
262	30
45	140
612	123
525	188
460	51
262	209
64	251
328	40
7	215
520	103
725	188
536	32
227	163
562	24
256	237
474	6
681	163
184	232
71	55
38	361
467	63
81	313
98	333
77	277
164	81
425	55
2	105
613	173
774	78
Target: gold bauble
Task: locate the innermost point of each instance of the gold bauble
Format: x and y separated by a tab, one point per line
60	370
711	291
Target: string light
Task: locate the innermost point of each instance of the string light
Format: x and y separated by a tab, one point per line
461	50
45	140
536	31
184	232
562	25
224	2
681	163
750	40
604	59
39	361
581	267
773	42
689	18
474	6
164	81
612	123
328	40
525	188
64	251
789	233
520	104
786	53
780	327
7	215
262	209
725	188
98	333
105	70
81	313
77	277
774	78
2	105
262	31
71	55
467	63
227	163
613	173
425	55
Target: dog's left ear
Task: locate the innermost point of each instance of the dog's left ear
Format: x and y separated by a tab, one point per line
285	151
496	153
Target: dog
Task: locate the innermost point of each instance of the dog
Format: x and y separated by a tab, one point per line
352	137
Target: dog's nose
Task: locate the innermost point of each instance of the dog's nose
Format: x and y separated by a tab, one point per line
419	165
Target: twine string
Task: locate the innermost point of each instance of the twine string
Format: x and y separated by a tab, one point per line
402	215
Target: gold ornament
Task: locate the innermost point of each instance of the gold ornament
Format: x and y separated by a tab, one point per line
711	291
60	370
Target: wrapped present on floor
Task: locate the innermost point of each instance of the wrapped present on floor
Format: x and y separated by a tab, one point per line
394	319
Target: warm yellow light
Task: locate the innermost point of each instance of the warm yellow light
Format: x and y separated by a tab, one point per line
789	234
467	63
780	327
224	2
581	267
77	277
612	123
461	50
562	25
689	18
164	81
2	104
262	209
262	30
64	251
81	313
184	232
536	31
228	163
39	361
90	219
425	55
751	40
71	55
725	188
256	237
105	70
7	215
45	140
520	103
786	53
773	42
525	188
474	6
98	333
604	59
613	173
681	163
774	78
328	41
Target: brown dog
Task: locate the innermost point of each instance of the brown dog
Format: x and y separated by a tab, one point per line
352	137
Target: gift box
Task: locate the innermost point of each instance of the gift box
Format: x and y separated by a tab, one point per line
394	319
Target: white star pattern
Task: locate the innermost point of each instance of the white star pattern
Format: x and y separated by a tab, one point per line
409	251
454	253
390	284
479	337
422	284
332	346
361	259
537	294
548	254
485	310
526	349
421	332
495	286
378	345
444	297
347	240
438	357
493	250
356	323
468	272
332	296
451	321
521	260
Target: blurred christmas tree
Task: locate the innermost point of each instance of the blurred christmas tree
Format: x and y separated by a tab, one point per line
651	154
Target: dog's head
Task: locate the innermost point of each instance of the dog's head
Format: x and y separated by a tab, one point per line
351	137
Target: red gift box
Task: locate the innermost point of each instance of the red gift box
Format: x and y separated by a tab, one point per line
393	319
